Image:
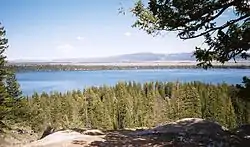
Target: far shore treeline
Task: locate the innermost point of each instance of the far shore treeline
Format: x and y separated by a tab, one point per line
131	104
72	67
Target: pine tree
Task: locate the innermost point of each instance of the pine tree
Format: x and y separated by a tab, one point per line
189	105
13	87
124	106
209	103
107	104
15	102
3	72
92	114
174	102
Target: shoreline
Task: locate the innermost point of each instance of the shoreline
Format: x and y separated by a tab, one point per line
26	67
145	63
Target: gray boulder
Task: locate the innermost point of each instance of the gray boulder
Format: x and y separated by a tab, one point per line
192	131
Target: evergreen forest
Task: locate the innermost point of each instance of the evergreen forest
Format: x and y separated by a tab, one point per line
132	105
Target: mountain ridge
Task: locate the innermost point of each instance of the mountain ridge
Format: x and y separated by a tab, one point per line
134	57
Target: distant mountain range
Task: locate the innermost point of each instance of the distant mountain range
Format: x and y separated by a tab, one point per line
137	57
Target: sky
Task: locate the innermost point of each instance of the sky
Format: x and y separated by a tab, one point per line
56	29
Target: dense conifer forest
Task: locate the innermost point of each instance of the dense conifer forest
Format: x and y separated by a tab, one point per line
131	104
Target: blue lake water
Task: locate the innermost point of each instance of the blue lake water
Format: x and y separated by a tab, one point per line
68	80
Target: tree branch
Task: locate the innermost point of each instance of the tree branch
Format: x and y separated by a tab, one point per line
216	28
214	17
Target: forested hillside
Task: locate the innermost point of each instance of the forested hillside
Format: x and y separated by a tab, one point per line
129	105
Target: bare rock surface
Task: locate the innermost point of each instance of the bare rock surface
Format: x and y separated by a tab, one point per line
65	138
188	132
188	125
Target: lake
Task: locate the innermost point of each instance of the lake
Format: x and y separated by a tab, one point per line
69	80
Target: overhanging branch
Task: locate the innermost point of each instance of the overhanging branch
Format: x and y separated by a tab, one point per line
214	29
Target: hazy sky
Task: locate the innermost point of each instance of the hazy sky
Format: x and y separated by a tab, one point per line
49	29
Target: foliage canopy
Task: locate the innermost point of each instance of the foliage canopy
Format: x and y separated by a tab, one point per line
201	18
9	88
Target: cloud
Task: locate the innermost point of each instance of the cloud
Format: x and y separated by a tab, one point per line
65	48
79	38
127	34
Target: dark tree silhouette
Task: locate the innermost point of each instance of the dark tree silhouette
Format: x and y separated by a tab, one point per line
199	18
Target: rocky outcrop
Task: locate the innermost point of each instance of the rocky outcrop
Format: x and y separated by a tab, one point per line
243	131
192	131
188	125
67	138
188	132
242	134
